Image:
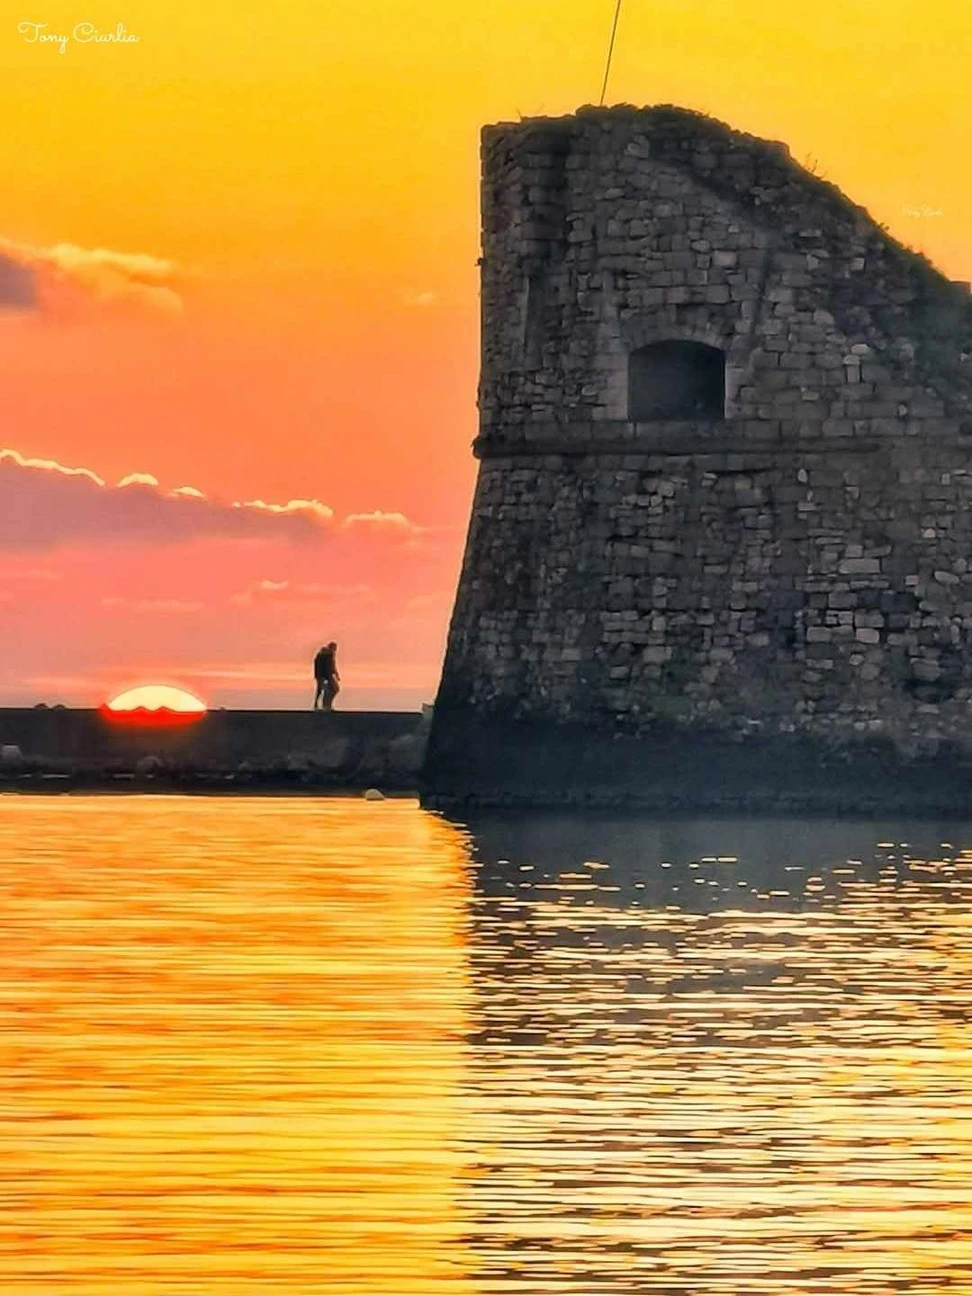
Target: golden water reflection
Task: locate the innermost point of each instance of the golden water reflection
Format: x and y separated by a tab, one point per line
725	1057
318	1048
233	1046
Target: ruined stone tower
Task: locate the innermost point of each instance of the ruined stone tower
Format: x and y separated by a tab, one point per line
721	543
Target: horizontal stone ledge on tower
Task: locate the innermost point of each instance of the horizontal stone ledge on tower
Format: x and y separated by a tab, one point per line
608	436
674	443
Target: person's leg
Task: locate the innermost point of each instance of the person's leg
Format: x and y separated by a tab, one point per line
317	695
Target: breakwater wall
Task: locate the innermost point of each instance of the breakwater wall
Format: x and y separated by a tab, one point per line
57	747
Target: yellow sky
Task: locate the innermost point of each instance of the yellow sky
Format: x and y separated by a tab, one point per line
304	133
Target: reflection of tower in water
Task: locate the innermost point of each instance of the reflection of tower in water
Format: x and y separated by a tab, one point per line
681	1030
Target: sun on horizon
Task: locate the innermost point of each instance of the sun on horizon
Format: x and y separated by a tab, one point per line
155	703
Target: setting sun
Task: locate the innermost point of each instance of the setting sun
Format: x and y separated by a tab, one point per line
155	703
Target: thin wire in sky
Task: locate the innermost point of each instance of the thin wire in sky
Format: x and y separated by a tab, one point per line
607	65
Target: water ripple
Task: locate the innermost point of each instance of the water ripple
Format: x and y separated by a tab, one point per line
335	1048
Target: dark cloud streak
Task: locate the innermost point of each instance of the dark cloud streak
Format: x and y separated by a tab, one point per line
47	507
18	287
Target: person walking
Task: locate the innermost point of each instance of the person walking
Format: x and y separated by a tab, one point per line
326	678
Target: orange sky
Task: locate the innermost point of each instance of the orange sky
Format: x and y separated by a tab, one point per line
305	178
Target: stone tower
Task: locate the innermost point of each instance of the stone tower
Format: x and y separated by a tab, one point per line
721	544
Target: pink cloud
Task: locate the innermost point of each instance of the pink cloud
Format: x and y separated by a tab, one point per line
293	508
32	575
45	504
384	523
290	592
65	275
15	458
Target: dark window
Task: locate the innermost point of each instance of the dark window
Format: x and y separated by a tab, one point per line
676	380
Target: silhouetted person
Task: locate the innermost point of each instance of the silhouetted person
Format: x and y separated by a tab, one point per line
326	677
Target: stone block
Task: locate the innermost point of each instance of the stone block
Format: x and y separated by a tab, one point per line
860	566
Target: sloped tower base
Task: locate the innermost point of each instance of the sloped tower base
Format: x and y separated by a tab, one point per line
664	772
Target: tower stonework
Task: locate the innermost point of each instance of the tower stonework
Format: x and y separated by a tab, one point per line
720	552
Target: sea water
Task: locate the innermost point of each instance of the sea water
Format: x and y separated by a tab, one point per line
324	1047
